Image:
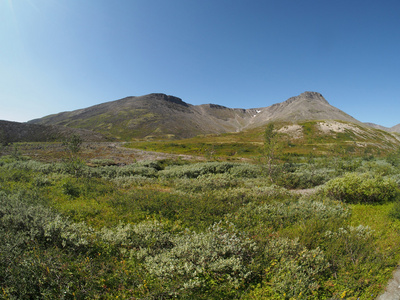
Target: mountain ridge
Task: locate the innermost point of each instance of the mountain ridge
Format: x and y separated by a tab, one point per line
158	115
11	132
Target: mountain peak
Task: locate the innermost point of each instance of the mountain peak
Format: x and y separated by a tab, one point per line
308	96
168	98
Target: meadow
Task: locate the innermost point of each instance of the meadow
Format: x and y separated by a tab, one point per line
293	227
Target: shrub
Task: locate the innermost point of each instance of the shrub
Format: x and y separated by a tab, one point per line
355	260
207	182
246	171
195	170
304	178
136	180
204	264
395	210
358	188
69	188
102	162
294	271
283	214
40	224
146	238
379	167
132	170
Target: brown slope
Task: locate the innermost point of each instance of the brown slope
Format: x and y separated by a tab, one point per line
12	132
395	128
306	106
163	116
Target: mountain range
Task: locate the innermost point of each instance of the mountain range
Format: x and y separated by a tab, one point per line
162	116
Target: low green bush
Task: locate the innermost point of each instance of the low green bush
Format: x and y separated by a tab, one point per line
206	265
246	171
304	178
293	270
379	167
196	170
208	182
395	210
277	215
362	188
40	224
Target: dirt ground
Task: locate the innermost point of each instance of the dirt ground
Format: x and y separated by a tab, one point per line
50	152
392	291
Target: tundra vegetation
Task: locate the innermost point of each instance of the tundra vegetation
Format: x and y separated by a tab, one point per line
290	227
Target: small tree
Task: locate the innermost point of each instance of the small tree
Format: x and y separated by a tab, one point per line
72	147
272	146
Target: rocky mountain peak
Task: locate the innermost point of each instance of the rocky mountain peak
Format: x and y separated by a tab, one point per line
168	98
308	96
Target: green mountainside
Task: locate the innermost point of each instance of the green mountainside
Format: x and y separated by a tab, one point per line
325	137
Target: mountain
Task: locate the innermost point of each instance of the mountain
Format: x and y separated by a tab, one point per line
11	132
306	106
162	116
395	128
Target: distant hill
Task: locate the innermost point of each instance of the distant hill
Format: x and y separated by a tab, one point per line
162	116
388	129
395	128
12	132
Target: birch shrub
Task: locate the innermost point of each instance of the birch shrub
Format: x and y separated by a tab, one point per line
208	182
277	215
40	224
196	170
362	188
294	271
304	178
210	263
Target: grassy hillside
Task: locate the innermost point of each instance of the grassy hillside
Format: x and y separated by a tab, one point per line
309	137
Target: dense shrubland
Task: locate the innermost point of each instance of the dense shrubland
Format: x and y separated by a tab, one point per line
210	230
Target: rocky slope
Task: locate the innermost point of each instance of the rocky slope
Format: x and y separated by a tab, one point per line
11	132
163	116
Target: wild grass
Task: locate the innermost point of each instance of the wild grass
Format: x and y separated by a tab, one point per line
311	141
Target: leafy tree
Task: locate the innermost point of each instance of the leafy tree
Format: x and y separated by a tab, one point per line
72	147
272	146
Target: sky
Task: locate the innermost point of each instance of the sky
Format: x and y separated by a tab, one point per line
62	55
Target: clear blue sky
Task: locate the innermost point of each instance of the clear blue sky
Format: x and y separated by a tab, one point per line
59	55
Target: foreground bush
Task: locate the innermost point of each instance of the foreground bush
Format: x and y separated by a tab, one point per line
285	246
294	271
362	188
283	214
208	265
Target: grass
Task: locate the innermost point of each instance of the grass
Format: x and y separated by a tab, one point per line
247	144
112	231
